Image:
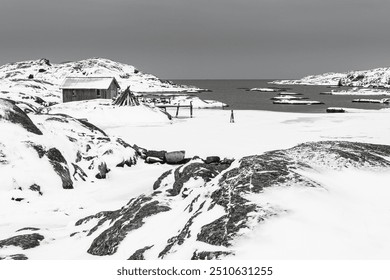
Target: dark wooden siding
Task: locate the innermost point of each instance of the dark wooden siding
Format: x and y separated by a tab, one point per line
112	90
78	94
69	95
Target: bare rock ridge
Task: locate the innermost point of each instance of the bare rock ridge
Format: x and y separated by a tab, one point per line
215	200
10	112
25	241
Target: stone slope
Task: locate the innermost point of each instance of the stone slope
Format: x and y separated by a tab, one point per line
199	214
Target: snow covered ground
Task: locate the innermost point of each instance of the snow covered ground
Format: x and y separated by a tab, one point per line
254	132
346	218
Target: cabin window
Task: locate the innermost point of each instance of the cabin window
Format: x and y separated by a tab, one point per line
74	93
98	93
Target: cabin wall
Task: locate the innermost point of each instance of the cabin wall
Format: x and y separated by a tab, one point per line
69	95
112	90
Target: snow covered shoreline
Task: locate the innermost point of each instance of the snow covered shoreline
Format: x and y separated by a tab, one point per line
211	133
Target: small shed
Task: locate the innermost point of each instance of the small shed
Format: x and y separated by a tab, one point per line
86	88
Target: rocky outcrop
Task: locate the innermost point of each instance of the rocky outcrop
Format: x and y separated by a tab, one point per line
60	167
139	254
194	170
127	219
16	257
11	113
25	241
210	255
214	202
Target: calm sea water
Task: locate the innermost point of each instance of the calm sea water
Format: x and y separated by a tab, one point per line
233	92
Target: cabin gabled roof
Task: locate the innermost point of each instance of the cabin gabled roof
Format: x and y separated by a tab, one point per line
88	83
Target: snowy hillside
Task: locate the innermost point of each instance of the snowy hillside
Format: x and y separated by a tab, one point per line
37	81
53	152
379	77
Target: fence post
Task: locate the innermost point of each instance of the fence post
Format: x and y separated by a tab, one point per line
177	110
232	117
191	109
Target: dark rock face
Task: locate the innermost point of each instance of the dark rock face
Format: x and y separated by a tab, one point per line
192	170
156	154
280	168
212	159
127	219
157	184
15	115
103	170
60	166
175	157
16	257
26	241
139	254
207	255
36	188
92	127
39	149
223	197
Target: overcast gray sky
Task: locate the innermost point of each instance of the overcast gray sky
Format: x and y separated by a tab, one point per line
202	38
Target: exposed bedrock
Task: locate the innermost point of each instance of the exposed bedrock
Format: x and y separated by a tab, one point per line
214	202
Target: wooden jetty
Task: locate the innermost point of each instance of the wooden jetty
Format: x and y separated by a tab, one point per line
178	106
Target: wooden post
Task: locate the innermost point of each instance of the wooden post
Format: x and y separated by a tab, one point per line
177	110
191	109
232	117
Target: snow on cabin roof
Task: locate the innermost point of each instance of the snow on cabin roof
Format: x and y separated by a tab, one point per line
88	83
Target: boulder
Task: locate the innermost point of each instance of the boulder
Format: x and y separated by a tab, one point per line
103	170
154	160
156	154
212	159
176	157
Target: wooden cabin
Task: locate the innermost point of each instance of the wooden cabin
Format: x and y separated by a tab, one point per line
86	88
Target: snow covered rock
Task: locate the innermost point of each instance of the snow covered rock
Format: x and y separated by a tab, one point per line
379	77
25	241
209	207
11	113
38	81
49	152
